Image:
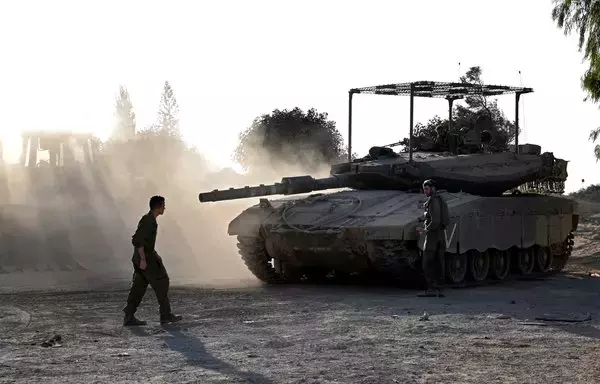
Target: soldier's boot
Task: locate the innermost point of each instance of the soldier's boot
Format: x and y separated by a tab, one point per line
170	318
434	289
131	320
136	293
429	292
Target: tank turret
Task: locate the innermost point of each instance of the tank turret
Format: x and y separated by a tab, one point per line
485	174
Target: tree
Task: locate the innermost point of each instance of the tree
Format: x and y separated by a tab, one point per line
594	134
156	152
583	17
156	156
287	137
168	120
502	130
434	135
125	126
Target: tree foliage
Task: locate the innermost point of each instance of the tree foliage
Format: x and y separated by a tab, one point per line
167	121
156	152
125	125
583	18
594	134
590	193
286	137
436	134
155	155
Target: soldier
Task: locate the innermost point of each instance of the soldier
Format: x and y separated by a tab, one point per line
434	247
148	268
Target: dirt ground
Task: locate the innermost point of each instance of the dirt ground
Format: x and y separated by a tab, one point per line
250	333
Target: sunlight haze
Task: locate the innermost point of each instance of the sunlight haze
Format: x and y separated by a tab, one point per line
231	61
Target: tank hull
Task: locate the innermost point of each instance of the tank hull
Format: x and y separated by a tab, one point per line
373	233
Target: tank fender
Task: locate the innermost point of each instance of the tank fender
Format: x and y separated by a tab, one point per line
248	222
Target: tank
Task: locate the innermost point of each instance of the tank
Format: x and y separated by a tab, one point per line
507	216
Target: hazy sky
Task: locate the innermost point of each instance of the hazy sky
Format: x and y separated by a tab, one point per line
230	61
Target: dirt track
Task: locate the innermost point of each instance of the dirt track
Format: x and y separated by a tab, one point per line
308	334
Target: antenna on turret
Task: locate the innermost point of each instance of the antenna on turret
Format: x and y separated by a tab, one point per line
520	78
459	70
523	106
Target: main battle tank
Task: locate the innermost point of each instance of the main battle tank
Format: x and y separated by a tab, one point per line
498	228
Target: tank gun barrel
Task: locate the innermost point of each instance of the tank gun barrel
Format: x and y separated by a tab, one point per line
287	186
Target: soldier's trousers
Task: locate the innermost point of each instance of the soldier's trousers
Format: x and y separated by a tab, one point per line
434	264
155	275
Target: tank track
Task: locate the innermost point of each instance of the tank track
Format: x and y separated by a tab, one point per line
256	258
253	252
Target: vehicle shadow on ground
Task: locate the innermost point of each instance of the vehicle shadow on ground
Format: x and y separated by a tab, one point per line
196	354
526	301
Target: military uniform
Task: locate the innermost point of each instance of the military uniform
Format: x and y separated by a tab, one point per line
434	246
155	273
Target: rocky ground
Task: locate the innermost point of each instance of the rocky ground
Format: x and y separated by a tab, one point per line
307	334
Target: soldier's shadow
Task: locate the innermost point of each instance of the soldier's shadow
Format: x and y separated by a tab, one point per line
195	352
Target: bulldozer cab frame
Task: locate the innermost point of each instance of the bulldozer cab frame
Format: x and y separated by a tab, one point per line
63	148
432	89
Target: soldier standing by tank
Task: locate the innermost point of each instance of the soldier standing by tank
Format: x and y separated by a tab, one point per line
148	268
434	247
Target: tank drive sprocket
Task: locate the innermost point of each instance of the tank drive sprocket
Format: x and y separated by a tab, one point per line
254	253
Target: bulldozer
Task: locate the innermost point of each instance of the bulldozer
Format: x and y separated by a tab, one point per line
51	200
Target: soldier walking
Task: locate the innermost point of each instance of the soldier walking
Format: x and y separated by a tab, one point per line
434	247
148	268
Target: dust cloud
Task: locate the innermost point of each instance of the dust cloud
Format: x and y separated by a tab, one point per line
216	251
73	225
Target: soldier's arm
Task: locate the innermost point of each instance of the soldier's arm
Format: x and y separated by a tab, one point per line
436	215
141	236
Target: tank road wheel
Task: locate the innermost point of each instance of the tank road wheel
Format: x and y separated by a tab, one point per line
479	265
525	261
543	259
500	264
456	267
254	254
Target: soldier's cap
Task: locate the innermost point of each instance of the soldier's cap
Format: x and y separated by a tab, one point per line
429	183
